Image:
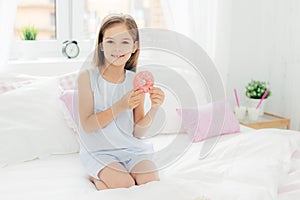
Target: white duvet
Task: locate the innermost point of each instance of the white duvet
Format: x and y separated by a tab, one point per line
250	165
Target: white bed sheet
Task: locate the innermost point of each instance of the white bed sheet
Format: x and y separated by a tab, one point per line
249	165
289	189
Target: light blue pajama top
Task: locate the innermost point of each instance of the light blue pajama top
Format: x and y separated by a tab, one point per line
117	137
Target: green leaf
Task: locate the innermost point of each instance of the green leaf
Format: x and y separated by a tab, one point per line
29	32
256	89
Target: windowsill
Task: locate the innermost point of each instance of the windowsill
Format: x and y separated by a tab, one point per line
46	60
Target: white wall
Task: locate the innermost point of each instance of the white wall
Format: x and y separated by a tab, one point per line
265	45
254	39
222	40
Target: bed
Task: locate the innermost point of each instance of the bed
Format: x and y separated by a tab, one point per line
39	157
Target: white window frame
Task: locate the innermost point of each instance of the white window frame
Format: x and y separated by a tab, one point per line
48	48
77	12
69	26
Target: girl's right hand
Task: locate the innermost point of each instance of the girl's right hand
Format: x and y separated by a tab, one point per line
132	99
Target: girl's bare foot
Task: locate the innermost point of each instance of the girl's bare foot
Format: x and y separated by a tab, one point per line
100	185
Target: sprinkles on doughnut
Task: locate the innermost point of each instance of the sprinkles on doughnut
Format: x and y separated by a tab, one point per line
143	80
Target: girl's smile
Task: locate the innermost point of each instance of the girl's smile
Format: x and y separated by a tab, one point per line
117	56
117	45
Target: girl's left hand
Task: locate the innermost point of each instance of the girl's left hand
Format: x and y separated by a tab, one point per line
157	96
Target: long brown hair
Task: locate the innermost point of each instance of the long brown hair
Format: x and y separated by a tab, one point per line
109	21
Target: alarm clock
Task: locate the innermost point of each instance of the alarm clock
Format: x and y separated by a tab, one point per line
70	49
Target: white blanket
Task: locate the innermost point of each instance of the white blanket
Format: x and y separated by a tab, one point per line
244	166
289	189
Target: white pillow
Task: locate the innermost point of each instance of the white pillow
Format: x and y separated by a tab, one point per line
183	87
17	77
179	84
12	81
32	124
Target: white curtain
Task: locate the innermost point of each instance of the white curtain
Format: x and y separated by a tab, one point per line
207	22
194	19
7	20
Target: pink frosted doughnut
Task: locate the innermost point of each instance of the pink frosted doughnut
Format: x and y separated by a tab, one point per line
143	81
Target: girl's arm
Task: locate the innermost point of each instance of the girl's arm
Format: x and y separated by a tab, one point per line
141	126
91	121
142	122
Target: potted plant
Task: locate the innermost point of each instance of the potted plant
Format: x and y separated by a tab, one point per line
255	91
29	34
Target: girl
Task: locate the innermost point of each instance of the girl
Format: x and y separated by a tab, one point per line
111	113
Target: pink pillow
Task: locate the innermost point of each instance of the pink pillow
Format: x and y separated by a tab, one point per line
68	98
198	121
68	81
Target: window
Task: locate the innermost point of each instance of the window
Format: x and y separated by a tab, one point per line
51	18
61	20
39	14
147	13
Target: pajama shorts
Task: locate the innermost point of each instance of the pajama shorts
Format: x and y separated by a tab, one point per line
94	163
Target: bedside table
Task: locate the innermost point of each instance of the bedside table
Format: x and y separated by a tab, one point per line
268	120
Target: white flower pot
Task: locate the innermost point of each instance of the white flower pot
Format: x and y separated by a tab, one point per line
252	103
26	50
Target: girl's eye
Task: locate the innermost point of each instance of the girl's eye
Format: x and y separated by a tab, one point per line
109	41
125	42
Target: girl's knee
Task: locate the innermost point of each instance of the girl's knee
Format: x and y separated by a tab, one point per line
123	182
146	178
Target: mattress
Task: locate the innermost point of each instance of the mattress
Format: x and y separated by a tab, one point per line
248	165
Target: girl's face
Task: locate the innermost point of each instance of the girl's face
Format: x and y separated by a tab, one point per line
117	45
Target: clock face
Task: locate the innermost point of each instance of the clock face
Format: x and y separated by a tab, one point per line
71	50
